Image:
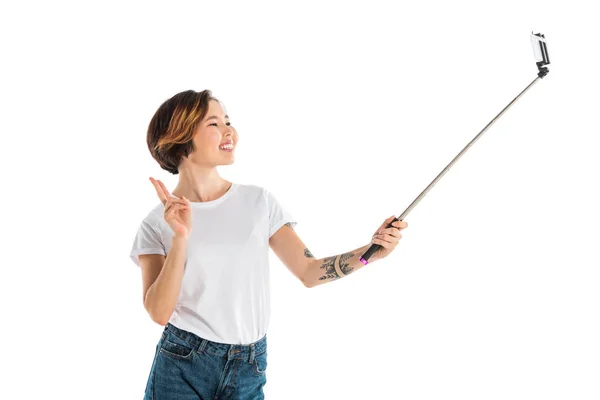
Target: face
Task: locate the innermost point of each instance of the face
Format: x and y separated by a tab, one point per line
209	135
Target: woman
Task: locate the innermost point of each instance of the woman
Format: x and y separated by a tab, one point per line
209	285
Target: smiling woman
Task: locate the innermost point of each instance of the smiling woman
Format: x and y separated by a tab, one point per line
179	128
207	281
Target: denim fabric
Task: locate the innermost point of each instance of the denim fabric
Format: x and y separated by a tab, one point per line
188	367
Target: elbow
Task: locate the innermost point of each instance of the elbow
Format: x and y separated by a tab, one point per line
306	283
159	319
161	322
157	316
306	278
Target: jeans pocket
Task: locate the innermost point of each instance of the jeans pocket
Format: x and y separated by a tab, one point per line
175	347
260	363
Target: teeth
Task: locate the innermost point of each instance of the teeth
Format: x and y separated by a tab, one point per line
227	146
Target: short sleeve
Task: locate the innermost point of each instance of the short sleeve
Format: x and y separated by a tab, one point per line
147	241
278	214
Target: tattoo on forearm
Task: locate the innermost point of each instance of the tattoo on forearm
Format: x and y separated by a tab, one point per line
344	265
329	263
329	267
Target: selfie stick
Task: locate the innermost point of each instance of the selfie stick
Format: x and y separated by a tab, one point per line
540	52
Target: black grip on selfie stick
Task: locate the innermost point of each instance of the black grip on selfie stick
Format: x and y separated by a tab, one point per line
374	247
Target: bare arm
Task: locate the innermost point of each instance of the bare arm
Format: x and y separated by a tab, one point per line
161	297
332	268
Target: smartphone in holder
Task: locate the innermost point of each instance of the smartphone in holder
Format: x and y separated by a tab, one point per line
540	52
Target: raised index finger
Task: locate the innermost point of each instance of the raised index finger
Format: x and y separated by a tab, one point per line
165	190
159	190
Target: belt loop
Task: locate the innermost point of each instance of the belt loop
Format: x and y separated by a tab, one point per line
202	346
231	351
252	353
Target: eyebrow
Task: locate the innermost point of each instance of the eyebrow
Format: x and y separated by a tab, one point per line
213	117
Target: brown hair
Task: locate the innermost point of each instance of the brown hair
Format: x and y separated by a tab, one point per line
172	127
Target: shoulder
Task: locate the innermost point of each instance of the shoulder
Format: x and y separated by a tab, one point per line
251	191
154	216
250	188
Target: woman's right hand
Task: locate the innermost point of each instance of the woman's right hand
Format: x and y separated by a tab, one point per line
178	212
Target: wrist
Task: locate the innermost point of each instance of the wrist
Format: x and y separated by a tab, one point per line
180	238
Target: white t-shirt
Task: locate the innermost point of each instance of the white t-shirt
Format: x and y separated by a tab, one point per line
225	292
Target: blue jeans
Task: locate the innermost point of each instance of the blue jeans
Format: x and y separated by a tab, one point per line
186	366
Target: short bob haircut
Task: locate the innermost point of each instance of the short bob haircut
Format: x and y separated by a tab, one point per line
171	129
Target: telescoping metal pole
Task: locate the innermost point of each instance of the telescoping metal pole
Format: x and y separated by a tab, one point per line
541	55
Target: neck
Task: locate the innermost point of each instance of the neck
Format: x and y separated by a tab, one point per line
200	185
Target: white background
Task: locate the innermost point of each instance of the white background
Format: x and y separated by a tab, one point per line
346	111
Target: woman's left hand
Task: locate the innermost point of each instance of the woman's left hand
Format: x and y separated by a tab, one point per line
388	237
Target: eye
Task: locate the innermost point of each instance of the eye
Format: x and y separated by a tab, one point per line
228	124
